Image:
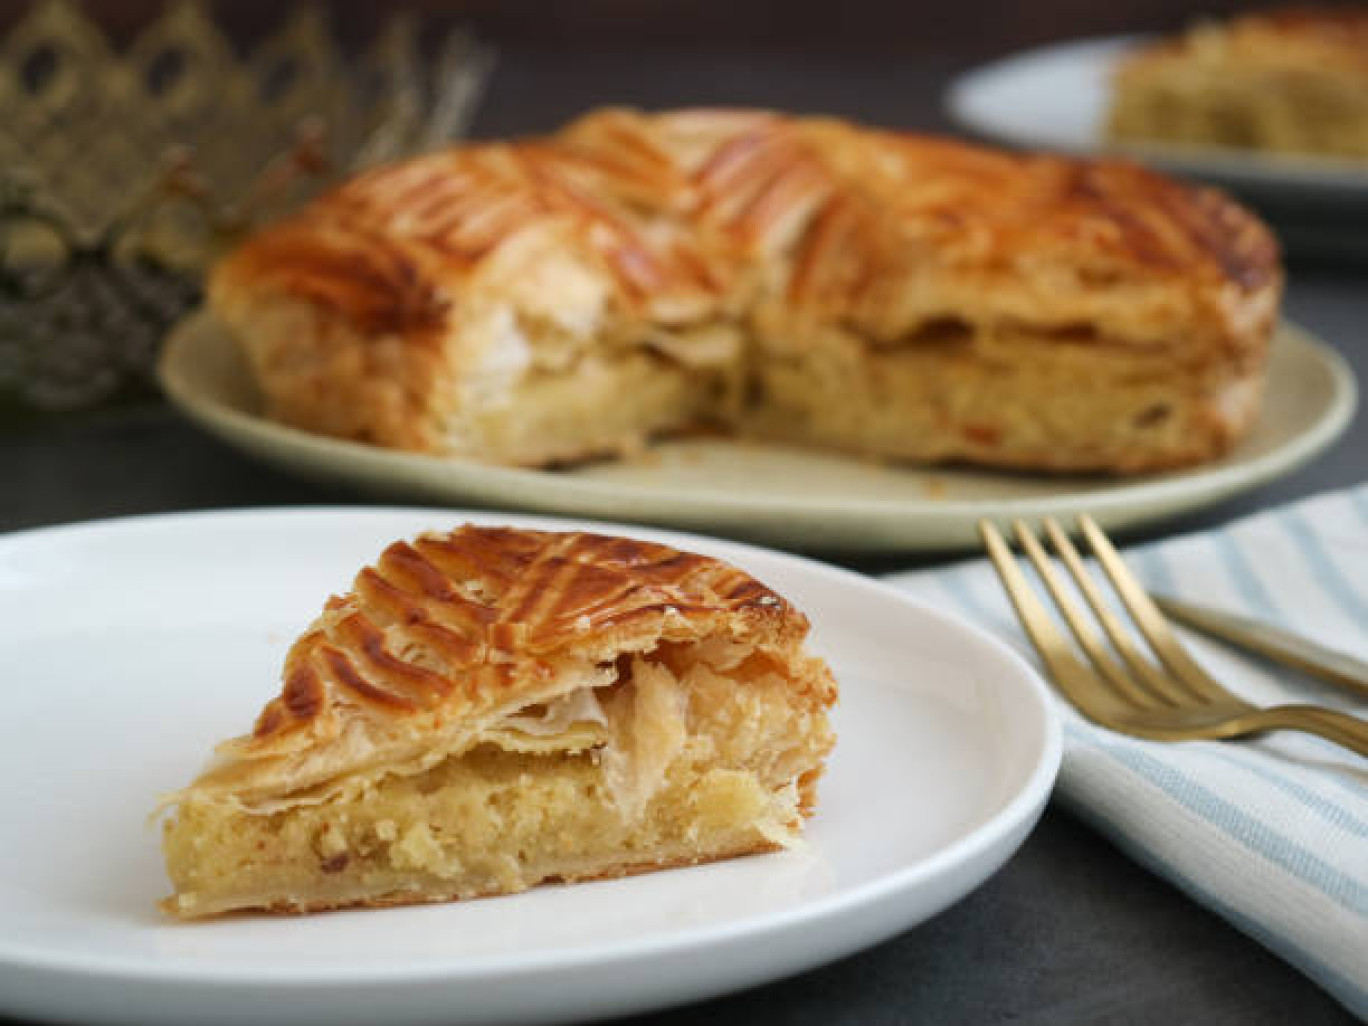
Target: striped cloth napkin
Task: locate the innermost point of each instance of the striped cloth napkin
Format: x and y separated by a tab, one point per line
1271	834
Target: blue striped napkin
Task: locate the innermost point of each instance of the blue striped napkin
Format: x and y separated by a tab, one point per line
1271	833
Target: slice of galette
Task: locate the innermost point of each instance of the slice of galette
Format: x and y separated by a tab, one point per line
494	708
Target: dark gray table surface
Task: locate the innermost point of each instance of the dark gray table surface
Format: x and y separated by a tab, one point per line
1070	931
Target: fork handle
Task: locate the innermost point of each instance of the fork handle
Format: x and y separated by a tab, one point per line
1331	724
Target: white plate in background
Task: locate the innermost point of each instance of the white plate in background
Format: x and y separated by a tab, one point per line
132	646
772	493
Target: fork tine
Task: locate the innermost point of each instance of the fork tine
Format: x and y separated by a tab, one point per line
1099	700
1074	679
1147	617
1078	622
1156	681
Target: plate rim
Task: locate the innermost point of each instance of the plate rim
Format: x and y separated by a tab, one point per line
1173	492
1251	168
1018	813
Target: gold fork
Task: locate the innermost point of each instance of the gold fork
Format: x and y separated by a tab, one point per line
1172	700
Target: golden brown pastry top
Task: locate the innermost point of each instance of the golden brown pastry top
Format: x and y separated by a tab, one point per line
446	634
1323	40
681	217
472	605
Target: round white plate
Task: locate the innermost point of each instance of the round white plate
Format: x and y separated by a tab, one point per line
771	493
132	646
1056	98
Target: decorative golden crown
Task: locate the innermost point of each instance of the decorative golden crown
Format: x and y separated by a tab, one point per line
123	174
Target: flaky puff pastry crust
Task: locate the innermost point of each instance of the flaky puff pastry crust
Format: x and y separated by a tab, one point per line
390	305
449	634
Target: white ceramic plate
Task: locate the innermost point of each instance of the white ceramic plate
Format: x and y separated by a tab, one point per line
774	494
1056	98
131	646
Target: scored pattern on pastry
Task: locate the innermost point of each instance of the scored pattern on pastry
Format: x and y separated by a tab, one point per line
853	205
457	607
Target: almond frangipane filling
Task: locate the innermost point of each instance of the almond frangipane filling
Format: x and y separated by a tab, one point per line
654	770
